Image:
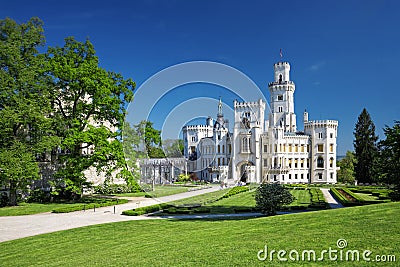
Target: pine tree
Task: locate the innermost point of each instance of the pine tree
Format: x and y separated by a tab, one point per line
365	148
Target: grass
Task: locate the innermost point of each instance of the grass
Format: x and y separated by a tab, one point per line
366	197
302	198
35	208
214	242
160	191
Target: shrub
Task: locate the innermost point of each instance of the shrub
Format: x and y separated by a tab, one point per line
87	203
107	189
271	197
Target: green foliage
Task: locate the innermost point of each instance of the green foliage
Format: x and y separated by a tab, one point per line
91	203
346	172
271	197
107	189
173	148
89	104
235	190
145	210
389	158
365	148
184	178
317	199
25	127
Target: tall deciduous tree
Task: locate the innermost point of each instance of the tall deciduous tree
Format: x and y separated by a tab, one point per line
90	105
346	172
25	124
365	147
389	167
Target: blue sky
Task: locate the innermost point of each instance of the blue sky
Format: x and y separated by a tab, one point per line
344	54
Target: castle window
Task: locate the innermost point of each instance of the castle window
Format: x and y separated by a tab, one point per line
280	78
193	138
301	176
320	162
296	148
290	147
265	148
295	176
290	176
302	148
219	149
229	148
320	136
331	162
320	148
295	163
246	145
223	149
280	97
302	163
290	163
331	147
265	162
319	176
308	163
280	109
331	135
331	175
219	161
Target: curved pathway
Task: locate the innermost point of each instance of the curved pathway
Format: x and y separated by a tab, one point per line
14	227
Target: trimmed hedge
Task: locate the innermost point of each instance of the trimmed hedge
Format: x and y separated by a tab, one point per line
88	206
317	199
147	209
342	199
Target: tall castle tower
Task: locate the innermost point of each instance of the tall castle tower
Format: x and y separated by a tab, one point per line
282	100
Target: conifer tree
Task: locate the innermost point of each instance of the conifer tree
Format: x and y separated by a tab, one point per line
365	147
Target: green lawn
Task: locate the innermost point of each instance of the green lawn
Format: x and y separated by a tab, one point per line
160	191
302	198
214	242
34	208
366	197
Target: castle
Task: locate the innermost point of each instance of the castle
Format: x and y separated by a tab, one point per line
263	150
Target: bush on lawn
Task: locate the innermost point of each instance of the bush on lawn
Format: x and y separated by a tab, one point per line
271	197
107	189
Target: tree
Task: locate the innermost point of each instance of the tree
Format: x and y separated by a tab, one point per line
390	158
365	148
173	148
90	105
271	197
25	124
346	172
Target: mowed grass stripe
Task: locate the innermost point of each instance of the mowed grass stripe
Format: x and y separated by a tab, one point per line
209	242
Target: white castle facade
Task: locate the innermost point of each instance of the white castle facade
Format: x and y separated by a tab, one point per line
263	150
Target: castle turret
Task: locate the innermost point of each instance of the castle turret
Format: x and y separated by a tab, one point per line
282	100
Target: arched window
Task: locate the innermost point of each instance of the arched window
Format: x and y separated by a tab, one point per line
219	149
280	78
320	162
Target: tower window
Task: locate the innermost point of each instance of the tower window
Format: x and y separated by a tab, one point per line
320	162
320	135
280	97
280	78
320	148
280	109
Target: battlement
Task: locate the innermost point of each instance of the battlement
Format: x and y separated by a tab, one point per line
197	127
281	63
238	104
321	123
280	83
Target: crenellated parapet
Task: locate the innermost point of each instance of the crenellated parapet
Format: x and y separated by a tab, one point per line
321	124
